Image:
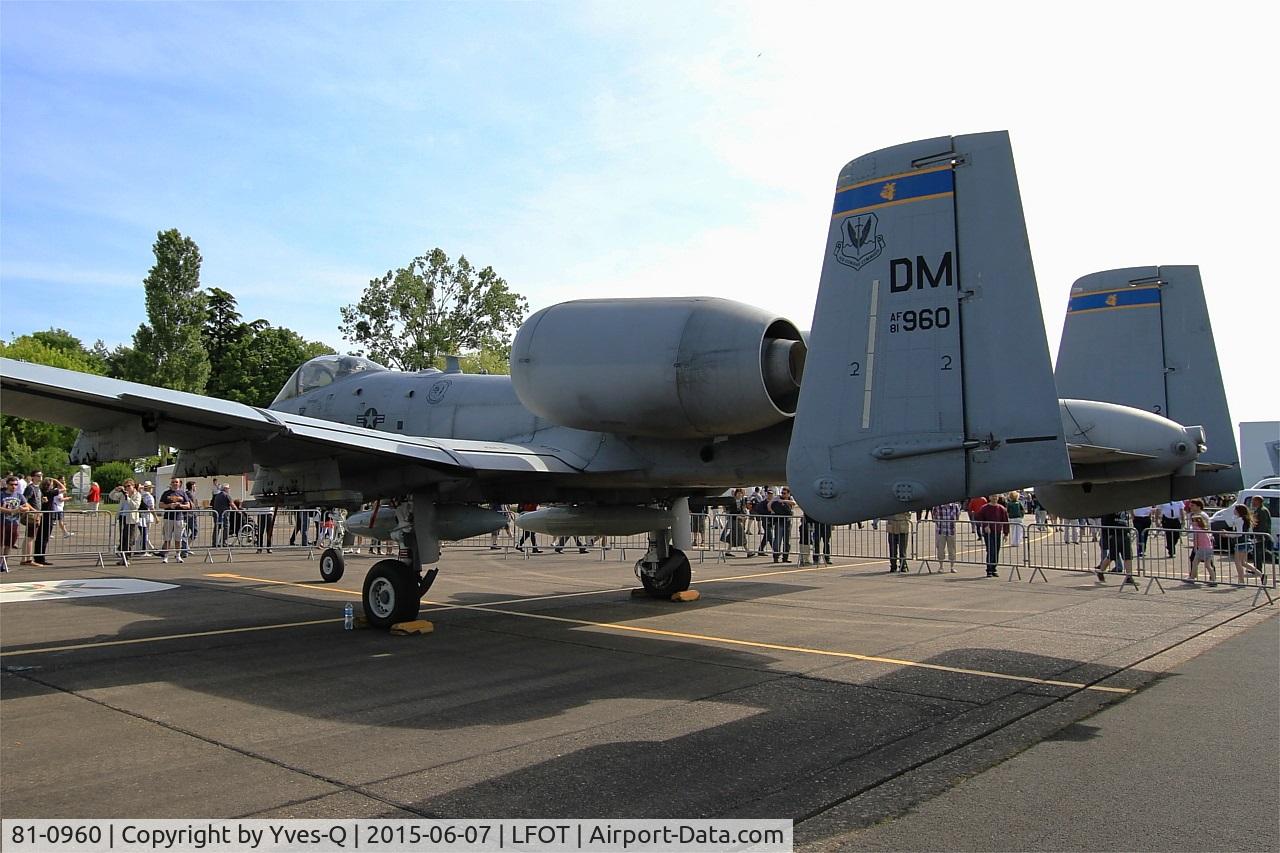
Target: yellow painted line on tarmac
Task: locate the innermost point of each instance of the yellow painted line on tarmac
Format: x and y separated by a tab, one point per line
681	635
138	640
323	587
436	605
608	626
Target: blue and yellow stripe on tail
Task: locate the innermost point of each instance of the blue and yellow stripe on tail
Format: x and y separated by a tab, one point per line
1108	300
937	182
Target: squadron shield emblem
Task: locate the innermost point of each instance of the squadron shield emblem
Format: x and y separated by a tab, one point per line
861	244
437	392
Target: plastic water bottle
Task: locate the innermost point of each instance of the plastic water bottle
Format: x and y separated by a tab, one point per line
348	617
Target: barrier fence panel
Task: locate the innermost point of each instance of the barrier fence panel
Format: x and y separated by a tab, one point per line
1073	547
512	538
1167	554
943	545
1236	559
177	534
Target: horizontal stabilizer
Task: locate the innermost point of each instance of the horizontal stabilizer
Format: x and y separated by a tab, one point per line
1089	454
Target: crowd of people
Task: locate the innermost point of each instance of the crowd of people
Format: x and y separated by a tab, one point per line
33	505
1249	539
764	520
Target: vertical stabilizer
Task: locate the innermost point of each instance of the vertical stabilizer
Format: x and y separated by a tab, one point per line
928	374
1141	337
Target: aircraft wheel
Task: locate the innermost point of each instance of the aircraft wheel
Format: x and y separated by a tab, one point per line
674	575
390	594
332	565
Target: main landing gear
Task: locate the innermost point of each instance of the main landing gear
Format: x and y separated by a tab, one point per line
393	589
393	592
664	569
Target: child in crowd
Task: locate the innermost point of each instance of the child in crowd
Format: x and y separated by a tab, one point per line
1202	551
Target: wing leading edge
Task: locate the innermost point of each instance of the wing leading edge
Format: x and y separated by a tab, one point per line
123	419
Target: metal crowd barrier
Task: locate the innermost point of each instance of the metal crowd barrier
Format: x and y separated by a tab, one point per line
1166	554
512	540
1071	547
107	534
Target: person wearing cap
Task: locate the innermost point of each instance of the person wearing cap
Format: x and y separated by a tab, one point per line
146	516
221	505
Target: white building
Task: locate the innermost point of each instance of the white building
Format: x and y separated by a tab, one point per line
1259	447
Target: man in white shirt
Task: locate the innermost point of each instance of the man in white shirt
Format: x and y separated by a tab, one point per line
1171	521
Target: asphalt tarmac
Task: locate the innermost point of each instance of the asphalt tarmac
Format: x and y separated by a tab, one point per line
854	701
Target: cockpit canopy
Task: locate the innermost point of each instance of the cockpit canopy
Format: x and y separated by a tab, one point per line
323	370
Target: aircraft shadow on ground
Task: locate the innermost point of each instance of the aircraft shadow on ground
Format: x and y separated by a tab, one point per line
702	729
168	612
487	668
806	744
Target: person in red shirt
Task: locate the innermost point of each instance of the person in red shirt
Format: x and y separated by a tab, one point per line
992	521
95	495
972	508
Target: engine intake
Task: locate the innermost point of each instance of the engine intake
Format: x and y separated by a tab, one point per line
677	368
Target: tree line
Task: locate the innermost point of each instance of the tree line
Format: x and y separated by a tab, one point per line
196	340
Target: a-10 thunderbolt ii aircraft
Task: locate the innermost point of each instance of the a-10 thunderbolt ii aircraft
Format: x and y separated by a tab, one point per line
926	378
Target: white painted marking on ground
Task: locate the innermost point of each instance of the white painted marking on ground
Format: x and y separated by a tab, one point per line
60	590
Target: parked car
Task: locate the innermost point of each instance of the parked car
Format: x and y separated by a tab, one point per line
1269	490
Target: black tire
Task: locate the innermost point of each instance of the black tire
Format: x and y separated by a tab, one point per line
332	565
390	594
673	576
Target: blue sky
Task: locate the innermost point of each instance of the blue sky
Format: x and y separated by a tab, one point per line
607	148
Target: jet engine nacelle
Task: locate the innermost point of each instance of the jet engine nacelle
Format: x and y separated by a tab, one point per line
676	368
1142	444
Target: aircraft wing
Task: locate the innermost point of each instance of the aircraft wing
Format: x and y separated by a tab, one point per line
1093	454
126	419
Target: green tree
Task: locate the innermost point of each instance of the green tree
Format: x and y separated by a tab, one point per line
262	360
493	361
411	317
250	362
168	351
25	444
108	475
222	333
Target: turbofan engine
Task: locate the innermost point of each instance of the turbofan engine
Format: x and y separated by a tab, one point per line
675	368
